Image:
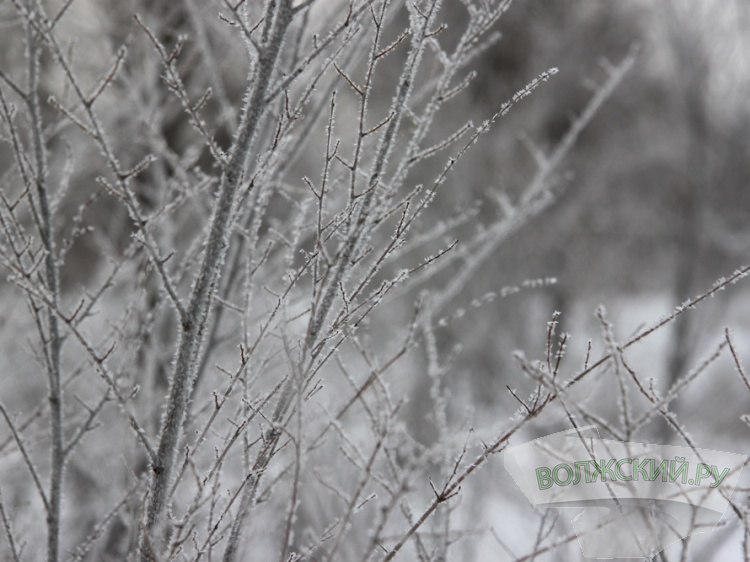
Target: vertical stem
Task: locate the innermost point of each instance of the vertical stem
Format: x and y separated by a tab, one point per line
51	280
278	17
357	232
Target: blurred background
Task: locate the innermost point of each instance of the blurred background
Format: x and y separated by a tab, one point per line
652	202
